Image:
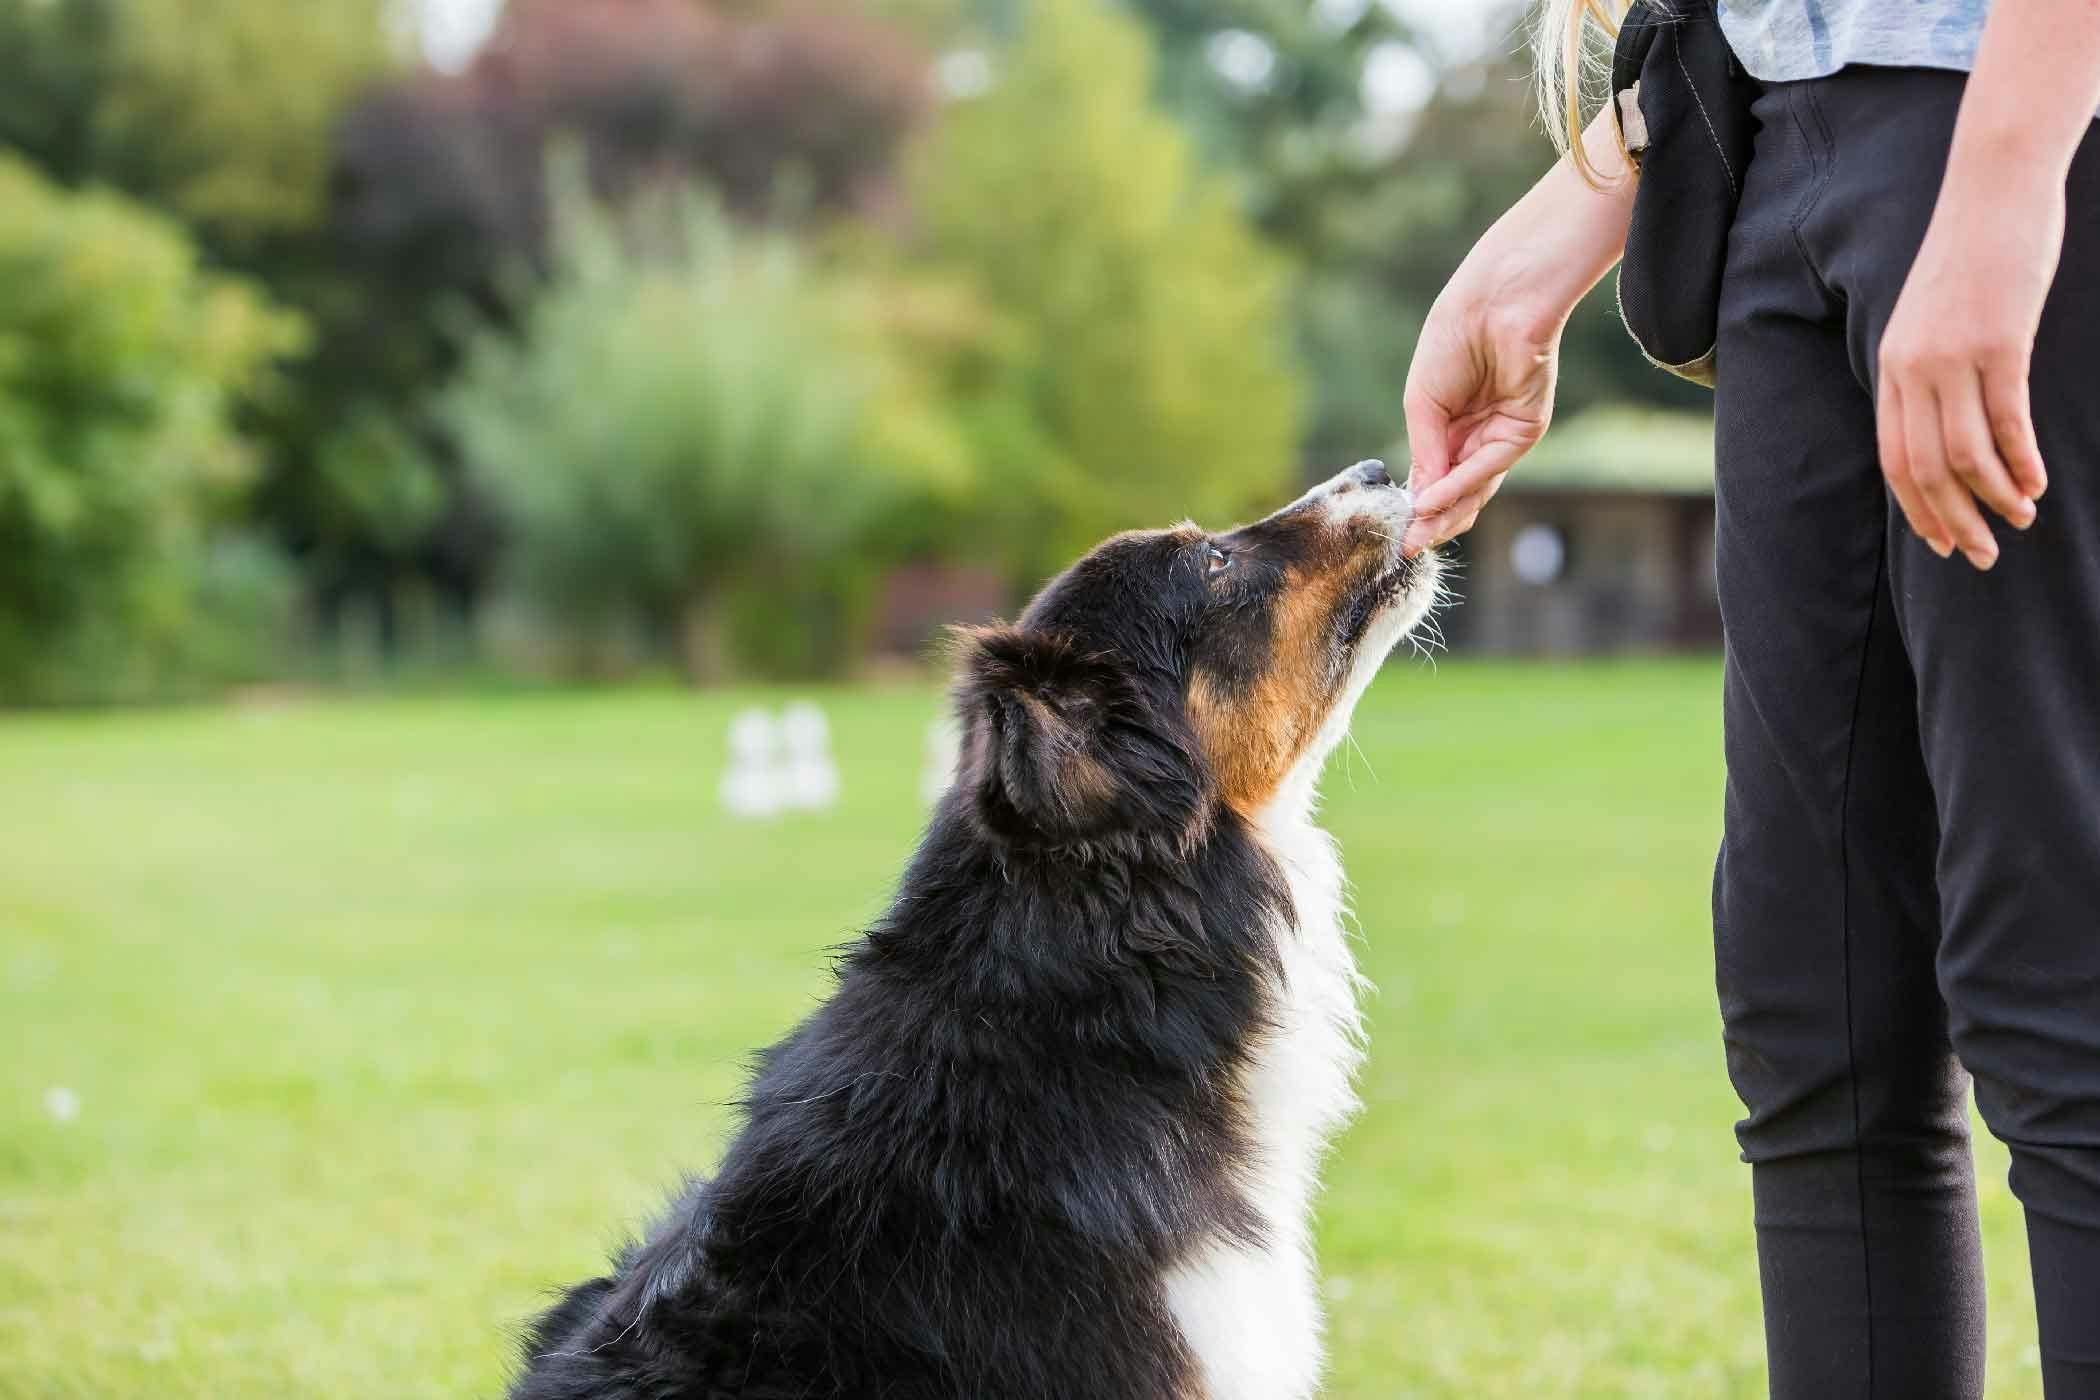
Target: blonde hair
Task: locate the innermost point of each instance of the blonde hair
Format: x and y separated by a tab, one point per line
1570	43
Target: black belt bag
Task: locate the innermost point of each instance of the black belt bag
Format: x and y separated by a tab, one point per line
1683	107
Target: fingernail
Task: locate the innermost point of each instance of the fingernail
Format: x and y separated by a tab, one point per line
1982	561
2025	518
1940	547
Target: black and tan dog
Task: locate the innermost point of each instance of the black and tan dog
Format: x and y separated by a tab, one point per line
1056	1133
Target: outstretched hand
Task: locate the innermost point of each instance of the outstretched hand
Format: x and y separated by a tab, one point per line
1479	396
1480	390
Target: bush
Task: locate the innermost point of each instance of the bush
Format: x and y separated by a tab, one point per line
439	198
691	417
121	363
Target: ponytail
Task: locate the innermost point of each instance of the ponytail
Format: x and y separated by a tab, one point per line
1570	47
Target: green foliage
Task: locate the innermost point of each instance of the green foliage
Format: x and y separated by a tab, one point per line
224	110
1312	162
376	485
691	413
1376	213
1295	137
221	111
57	59
120	365
223	114
1155	378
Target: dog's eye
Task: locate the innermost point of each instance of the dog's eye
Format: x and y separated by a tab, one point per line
1219	560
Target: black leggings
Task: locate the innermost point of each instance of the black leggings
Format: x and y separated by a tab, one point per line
1908	892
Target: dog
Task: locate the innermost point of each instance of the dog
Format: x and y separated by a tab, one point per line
1056	1133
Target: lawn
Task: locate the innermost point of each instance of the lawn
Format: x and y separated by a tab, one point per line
385	1016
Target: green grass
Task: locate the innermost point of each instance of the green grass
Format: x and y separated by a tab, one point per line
387	1016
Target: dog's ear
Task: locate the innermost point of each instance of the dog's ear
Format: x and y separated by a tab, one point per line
1035	711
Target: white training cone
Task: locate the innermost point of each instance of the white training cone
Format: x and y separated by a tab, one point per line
752	787
812	775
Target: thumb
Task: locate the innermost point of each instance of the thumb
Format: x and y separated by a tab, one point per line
1428	440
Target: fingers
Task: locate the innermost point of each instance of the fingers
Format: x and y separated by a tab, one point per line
1460	518
2006	407
1897	468
1472	473
1428	434
1972	453
1448	509
1429	531
1956	430
1933	477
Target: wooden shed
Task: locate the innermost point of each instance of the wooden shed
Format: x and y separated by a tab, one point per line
1601	541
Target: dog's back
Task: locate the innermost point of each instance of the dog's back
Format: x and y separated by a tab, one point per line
1054	1133
964	1175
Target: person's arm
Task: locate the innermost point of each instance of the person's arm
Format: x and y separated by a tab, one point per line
1480	390
1952	405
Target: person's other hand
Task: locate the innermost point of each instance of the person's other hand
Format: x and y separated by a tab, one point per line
1479	396
1951	400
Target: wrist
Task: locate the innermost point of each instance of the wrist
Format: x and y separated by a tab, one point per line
1522	293
2013	164
1993	207
1567	232
1539	261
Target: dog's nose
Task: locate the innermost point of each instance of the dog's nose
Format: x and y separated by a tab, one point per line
1371	473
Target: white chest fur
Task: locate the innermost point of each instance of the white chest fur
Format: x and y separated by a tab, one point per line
1252	1315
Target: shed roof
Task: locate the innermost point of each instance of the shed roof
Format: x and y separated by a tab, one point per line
1638	451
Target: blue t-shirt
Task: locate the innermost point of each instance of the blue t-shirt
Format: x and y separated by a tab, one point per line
1782	40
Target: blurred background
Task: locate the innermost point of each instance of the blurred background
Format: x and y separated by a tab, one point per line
354	340
405	405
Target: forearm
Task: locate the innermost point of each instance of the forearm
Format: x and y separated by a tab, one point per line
1555	243
2031	96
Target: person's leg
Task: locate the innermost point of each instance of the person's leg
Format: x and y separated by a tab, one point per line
2007	667
1825	914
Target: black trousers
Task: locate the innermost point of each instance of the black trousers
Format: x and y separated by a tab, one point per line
1908	892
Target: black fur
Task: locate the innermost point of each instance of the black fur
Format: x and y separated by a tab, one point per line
963	1177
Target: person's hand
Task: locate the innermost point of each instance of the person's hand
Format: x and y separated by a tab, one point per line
1951	401
1480	390
1479	396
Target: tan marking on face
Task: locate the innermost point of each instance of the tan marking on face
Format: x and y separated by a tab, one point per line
1253	738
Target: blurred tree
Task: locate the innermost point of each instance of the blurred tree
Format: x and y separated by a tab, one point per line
1278	94
56	59
1377	204
1157	376
419	209
1275	89
120	365
222	111
439	209
801	112
698	423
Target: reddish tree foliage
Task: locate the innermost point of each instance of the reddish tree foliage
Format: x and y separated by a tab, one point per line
793	113
439	197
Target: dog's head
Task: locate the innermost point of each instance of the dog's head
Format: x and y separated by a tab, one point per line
1174	670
